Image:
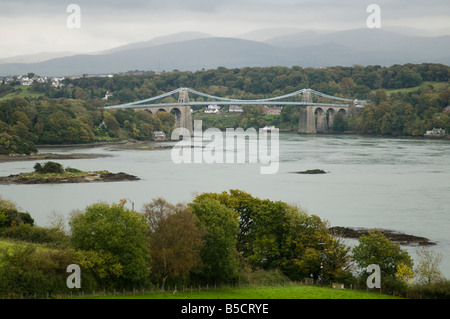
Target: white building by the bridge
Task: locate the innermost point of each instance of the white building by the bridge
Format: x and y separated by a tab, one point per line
213	108
235	108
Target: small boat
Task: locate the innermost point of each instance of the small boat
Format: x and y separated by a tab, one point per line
266	129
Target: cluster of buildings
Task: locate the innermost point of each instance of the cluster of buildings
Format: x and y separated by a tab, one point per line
27	80
275	110
31	78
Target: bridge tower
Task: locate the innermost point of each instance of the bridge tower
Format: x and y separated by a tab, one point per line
307	97
185	119
307	121
183	97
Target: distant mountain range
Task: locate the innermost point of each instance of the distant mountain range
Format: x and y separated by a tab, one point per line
191	51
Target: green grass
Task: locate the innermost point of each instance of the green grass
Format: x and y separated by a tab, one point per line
24	92
6	243
258	292
437	86
57	175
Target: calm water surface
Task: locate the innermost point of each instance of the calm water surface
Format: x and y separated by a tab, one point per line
390	183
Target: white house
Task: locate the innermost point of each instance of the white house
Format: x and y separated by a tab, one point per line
213	108
25	80
235	108
436	131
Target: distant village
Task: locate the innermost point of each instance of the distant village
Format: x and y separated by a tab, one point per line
31	78
57	82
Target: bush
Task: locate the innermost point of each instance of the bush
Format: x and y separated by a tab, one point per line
8	217
34	234
117	231
264	277
28	272
393	286
72	170
49	167
436	290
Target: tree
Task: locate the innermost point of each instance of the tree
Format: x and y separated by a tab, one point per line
405	78
175	240
340	123
157	211
167	121
118	231
427	270
220	228
49	167
404	273
253	116
111	124
379	96
290	114
29	272
12	144
275	235
10	215
375	248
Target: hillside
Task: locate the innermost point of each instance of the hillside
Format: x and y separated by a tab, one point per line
196	51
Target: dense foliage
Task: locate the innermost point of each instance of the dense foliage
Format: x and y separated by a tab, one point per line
49	167
116	231
395	263
73	114
218	238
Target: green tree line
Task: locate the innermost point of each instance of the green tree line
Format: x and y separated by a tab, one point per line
258	82
25	124
72	114
223	238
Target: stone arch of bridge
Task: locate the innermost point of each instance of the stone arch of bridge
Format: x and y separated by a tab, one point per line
320	116
182	114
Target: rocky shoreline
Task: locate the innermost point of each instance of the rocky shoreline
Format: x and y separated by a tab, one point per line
133	145
401	238
87	177
49	156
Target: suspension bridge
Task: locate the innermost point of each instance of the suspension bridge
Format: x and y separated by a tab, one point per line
315	117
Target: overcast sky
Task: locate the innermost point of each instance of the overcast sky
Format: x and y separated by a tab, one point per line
28	27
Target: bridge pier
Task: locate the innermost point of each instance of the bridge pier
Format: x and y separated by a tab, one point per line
307	122
186	119
182	113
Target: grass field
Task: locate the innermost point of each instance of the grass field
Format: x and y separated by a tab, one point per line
6	243
24	92
258	292
437	85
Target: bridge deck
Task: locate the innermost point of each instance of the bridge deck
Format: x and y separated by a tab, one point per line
226	101
136	106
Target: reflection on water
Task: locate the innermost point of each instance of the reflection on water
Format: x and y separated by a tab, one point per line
398	184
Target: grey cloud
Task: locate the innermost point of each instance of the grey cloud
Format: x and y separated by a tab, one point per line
312	8
136	20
